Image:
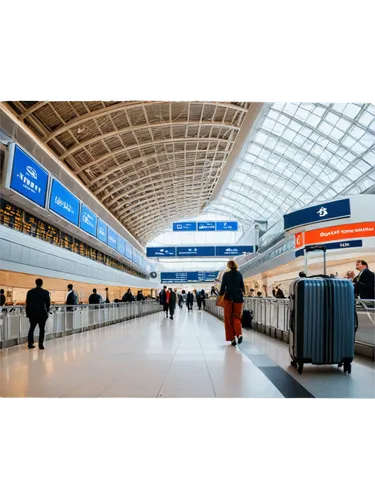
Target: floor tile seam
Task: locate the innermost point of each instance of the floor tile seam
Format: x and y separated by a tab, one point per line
168	370
205	360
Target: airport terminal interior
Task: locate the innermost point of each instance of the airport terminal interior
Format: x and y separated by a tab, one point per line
130	211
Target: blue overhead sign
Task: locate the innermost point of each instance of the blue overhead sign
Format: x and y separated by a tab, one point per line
195	251
207	226
188	277
120	245
102	230
88	220
128	251
184	226
161	252
28	178
319	213
335	246
227	251
112	240
64	203
231	225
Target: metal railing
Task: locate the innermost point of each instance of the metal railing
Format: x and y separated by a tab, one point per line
271	316
65	320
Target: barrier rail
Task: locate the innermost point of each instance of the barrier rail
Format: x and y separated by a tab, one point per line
271	316
66	320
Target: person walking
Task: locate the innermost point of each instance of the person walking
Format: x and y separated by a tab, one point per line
189	301
95	298
234	289
140	296
198	299
38	303
128	296
202	294
163	300
107	301
172	302
2	297
71	298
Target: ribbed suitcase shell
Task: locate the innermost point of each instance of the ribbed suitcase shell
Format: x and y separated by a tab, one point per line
322	321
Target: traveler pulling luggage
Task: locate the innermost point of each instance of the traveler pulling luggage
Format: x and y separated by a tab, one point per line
322	327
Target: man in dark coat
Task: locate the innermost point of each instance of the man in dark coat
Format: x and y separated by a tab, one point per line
37	308
95	298
364	284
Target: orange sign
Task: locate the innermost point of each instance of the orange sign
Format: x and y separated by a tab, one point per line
299	240
334	233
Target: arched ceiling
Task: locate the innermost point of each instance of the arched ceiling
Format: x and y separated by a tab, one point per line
148	162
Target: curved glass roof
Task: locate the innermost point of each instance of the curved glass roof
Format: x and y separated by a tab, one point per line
300	153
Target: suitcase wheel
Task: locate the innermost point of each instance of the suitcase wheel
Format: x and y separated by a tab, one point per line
293	363
348	368
340	365
300	368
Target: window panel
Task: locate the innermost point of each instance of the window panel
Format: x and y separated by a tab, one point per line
354	174
365	119
370	158
279	128
337	134
356	132
261	138
363	166
331	118
351	110
366	184
367	140
313	120
358	148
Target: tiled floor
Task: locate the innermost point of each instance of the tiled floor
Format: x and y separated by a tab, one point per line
156	357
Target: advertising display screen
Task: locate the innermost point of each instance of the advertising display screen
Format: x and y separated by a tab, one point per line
102	231
29	178
112	241
11	216
120	245
128	251
88	220
64	203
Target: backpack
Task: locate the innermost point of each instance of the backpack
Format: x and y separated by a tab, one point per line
246	318
75	298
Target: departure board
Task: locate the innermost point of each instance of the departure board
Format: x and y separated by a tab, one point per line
11	216
66	241
100	257
82	249
92	253
33	226
52	235
16	218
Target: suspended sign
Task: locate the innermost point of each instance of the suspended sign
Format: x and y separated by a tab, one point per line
319	213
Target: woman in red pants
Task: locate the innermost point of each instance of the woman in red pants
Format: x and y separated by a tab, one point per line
234	289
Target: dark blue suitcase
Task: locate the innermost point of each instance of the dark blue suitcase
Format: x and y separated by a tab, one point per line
322	319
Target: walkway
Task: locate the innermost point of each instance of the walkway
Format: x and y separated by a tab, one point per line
156	357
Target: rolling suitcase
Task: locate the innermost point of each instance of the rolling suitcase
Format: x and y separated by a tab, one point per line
322	324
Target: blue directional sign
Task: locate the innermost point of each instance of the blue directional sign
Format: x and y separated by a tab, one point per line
229	250
207	226
189	277
318	213
184	226
102	230
161	252
335	246
195	251
28	178
112	238
64	203
230	225
120	245
88	220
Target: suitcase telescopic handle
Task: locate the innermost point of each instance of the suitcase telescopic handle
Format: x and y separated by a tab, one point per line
314	248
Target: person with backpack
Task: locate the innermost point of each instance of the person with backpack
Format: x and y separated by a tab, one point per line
128	296
140	296
95	298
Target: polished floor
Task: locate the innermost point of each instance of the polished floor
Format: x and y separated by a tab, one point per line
156	357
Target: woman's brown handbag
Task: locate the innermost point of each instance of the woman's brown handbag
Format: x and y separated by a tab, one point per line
220	300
